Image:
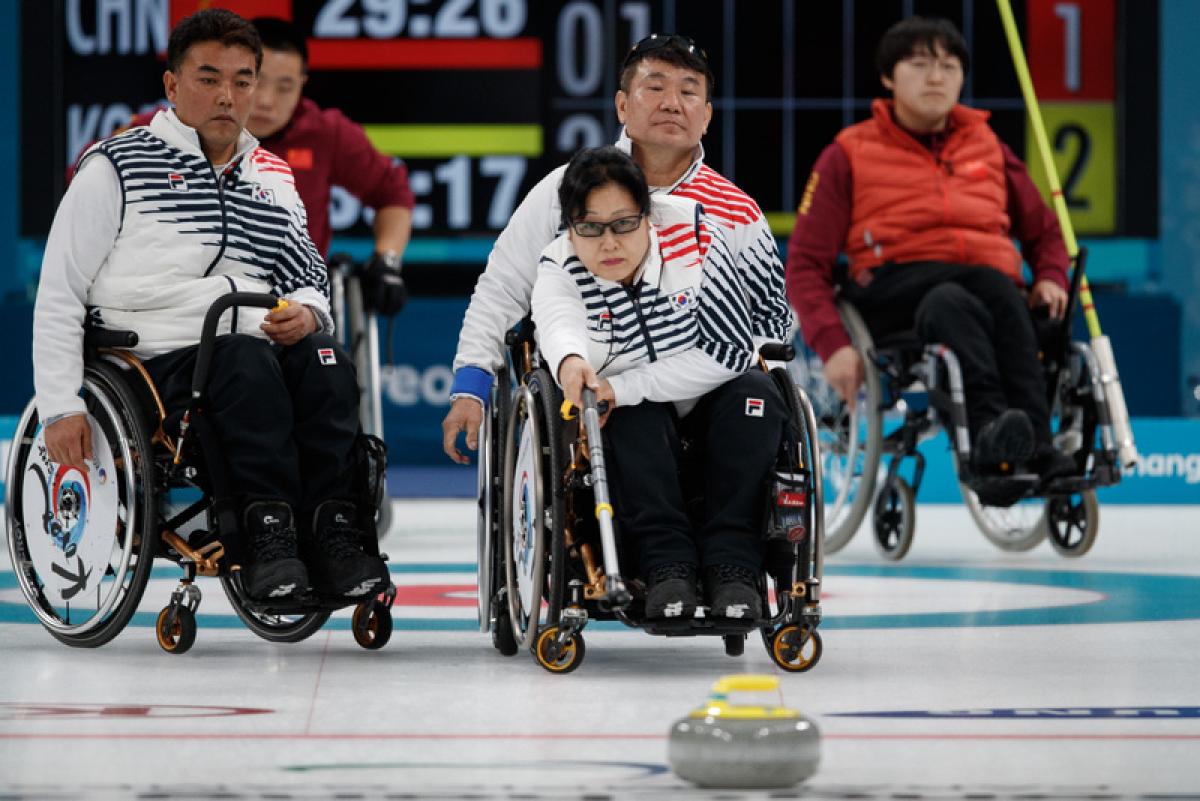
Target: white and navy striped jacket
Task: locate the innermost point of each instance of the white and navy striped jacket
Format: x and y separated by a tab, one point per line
680	329
502	293
148	235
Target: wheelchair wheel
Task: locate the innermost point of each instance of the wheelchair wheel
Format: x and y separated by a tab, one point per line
271	626
533	510
1015	528
489	564
82	544
795	648
177	637
569	656
503	639
372	624
895	519
850	437
359	334
1073	522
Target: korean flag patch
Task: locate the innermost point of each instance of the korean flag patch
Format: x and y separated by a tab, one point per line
327	357
683	299
754	407
263	195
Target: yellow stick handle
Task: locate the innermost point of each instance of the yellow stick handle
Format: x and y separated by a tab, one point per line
1122	429
1043	145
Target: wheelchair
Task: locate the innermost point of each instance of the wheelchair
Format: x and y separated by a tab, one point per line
358	333
548	559
911	391
83	543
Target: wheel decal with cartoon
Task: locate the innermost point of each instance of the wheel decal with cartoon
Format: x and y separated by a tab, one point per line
78	514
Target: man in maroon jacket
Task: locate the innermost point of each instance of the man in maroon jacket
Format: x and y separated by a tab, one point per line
924	200
323	147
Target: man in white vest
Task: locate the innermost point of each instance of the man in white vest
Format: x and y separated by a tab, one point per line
160	221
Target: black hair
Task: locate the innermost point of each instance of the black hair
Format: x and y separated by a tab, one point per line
594	167
677	51
912	35
281	35
212	25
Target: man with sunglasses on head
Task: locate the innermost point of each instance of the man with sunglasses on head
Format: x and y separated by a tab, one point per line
924	200
664	104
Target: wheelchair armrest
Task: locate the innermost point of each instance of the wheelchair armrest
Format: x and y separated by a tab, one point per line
777	351
109	338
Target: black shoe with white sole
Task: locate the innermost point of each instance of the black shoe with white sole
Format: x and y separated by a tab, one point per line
276	571
671	591
732	592
336	558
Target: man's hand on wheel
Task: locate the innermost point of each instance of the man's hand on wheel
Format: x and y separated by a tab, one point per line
69	441
466	414
844	372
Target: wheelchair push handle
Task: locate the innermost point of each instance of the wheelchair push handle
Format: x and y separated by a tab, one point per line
208	333
777	351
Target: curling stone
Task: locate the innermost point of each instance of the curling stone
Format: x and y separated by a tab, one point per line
733	746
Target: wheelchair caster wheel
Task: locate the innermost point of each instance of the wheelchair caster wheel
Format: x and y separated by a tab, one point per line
180	635
372	624
567	657
895	519
735	644
796	648
502	635
1073	522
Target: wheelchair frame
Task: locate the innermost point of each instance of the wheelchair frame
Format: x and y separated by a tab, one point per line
358	331
997	504
573	574
148	467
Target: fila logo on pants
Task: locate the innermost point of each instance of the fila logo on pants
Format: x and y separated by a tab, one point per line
326	356
754	407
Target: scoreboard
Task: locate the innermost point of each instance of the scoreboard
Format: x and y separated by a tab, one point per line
482	97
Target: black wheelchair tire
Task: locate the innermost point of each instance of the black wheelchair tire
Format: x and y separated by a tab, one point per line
546	399
102	381
308	624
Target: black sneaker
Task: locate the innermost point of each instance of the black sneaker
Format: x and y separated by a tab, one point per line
1004	443
1050	463
732	592
276	571
336	558
671	591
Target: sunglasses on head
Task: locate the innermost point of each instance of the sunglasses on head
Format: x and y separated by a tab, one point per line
590	230
659	41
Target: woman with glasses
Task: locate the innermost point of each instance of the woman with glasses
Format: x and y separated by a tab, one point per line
641	301
664	105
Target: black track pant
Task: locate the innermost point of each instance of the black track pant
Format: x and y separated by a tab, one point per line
731	450
286	417
980	315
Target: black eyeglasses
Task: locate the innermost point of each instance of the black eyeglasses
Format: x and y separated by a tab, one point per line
624	225
659	41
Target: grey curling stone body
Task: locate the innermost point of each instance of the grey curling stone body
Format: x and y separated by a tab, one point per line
721	745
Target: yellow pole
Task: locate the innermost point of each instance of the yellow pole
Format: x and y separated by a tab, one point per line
1043	146
1122	430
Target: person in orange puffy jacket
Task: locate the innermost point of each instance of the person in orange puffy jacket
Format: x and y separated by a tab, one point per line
924	201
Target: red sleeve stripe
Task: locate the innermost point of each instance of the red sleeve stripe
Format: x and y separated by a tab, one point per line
726	199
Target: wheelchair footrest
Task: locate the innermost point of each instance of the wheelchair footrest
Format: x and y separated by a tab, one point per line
701	626
309	602
1003	490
